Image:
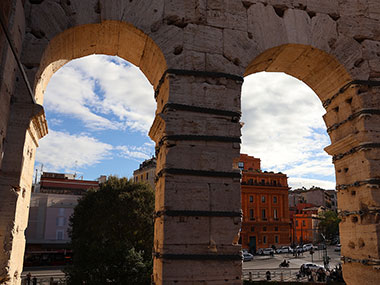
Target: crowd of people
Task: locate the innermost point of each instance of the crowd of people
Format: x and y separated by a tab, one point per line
321	274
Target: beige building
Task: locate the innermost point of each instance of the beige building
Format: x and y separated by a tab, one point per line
314	195
146	172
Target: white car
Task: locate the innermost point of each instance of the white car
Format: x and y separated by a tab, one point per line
299	249
307	247
265	251
284	249
312	266
247	256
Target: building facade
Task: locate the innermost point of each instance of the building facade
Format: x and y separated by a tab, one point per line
316	196
264	198
146	172
52	203
304	221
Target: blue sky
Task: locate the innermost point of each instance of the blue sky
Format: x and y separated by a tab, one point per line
100	108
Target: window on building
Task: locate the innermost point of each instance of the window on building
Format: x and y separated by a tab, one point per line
264	229
275	214
262	181
59	235
251	214
60	221
303	223
264	239
296	223
251	199
61	211
263	214
276	239
274	199
252	229
274	182
262	199
147	175
241	165
276	229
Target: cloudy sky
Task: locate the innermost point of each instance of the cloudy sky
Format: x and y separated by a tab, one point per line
99	111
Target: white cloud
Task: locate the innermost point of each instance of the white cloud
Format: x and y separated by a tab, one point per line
61	151
104	92
284	126
134	152
282	116
296	183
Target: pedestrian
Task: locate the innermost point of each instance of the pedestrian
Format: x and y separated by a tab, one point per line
28	278
268	275
34	280
298	275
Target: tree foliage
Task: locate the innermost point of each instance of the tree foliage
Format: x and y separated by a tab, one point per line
329	224
112	234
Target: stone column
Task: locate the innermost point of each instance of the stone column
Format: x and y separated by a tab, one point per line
198	216
26	126
354	126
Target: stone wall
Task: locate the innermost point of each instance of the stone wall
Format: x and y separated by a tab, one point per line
195	53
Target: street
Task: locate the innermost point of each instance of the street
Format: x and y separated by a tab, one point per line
261	264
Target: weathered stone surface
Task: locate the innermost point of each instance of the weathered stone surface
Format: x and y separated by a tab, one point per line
326	44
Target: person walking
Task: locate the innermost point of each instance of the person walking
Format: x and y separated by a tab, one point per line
28	278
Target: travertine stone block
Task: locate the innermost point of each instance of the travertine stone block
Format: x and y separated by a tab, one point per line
215	93
212	156
298	26
203	38
358	239
273	33
236	45
209	272
51	17
186	123
207	193
227	14
323	6
326	44
324	32
183	12
358	27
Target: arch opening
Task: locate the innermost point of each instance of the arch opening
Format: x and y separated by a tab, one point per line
337	92
99	109
108	38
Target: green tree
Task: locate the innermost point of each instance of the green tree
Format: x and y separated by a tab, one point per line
329	224
112	234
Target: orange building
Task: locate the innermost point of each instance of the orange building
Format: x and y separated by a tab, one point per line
264	197
304	223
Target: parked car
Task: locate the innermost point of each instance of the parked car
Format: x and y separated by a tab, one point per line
337	247
312	266
265	251
247	256
307	247
299	249
284	249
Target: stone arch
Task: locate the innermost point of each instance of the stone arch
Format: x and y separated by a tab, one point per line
208	46
345	99
109	38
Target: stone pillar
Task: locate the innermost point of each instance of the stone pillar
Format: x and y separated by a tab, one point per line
26	126
198	210
355	147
